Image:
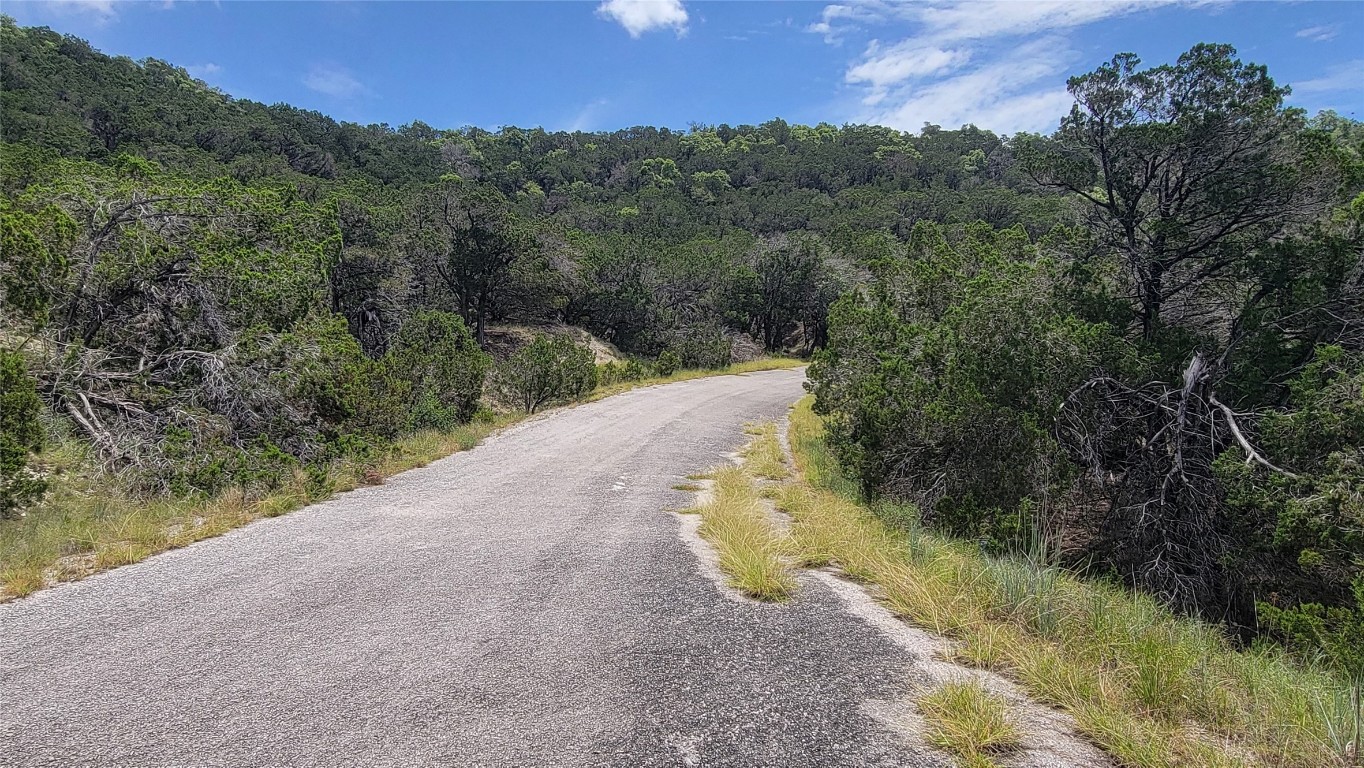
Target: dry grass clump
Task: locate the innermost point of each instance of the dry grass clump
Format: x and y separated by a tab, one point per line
764	456
752	366
751	550
1150	688
970	722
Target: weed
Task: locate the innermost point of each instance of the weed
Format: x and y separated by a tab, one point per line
1151	688
968	721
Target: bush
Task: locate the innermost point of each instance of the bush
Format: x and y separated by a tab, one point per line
20	434
667	363
939	385
621	371
701	348
549	369
436	356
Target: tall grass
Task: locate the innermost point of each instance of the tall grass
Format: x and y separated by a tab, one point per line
763	456
1151	688
87	524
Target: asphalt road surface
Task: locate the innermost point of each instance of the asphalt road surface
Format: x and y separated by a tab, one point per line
529	602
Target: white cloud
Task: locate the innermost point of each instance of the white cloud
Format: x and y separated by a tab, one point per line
903	61
834	19
335	81
1318	34
586	118
998	64
202	71
1017	92
640	16
1348	76
101	10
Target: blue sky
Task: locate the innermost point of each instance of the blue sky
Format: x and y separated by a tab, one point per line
1000	64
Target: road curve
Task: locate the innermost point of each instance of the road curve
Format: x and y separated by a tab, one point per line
529	602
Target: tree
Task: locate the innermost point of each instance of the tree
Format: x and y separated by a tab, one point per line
1188	168
1195	176
787	268
481	240
549	369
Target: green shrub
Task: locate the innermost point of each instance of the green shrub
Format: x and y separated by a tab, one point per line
620	372
667	363
548	370
20	434
941	382
702	348
436	356
1335	635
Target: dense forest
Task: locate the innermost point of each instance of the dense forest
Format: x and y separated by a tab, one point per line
1134	345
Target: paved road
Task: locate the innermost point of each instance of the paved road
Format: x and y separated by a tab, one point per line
529	602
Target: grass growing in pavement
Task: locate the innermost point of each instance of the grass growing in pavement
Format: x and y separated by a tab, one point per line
751	550
970	722
764	456
1152	689
86	525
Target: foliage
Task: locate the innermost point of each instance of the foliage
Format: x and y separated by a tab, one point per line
1152	688
547	370
1337	633
667	363
959	341
1143	330
435	356
700	348
623	371
21	433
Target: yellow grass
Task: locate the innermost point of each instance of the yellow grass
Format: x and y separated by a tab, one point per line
86	526
968	721
751	550
763	456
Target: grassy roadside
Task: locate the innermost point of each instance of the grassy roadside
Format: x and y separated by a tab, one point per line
1152	689
85	526
752	366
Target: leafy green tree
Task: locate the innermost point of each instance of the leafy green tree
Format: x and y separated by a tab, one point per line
480	241
1188	169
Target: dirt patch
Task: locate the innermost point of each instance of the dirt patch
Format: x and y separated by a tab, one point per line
505	340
